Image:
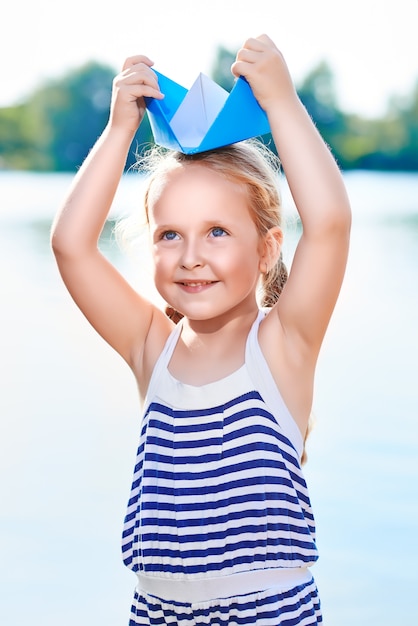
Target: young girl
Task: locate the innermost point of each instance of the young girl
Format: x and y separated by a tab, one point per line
219	528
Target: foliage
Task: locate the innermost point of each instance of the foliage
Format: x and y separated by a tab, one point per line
221	71
390	143
57	126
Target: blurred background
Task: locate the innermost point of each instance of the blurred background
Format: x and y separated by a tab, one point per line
69	411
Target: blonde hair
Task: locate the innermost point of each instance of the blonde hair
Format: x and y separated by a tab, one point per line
250	164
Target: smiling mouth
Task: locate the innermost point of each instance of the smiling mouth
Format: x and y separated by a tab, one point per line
196	286
196	283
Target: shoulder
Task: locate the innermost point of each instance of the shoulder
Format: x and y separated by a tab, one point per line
291	366
145	359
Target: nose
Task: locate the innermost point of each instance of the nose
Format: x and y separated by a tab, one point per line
192	255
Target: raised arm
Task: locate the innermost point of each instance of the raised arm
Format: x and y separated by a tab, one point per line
309	297
111	305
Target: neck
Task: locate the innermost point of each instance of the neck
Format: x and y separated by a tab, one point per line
231	322
209	350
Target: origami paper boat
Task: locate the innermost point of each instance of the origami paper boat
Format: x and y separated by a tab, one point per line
205	117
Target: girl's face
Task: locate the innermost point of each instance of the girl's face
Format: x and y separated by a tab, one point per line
206	249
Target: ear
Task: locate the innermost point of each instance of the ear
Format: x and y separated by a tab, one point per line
271	246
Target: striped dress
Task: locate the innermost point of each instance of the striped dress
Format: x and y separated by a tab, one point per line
219	527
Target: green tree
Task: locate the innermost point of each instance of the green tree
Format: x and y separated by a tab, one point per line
221	70
409	118
61	121
17	151
57	126
318	94
73	113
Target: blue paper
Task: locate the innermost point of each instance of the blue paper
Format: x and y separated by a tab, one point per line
206	116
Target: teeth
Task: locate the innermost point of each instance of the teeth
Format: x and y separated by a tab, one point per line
206	282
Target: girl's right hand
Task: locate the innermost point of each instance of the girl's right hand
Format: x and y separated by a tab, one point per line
129	88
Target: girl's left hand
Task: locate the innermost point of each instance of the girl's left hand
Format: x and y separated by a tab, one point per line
262	64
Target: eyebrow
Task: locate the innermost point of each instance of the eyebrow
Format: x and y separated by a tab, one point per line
162	228
204	224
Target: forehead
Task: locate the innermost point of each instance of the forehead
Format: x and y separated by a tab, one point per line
195	186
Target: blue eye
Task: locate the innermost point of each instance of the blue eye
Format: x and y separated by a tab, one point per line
218	232
169	235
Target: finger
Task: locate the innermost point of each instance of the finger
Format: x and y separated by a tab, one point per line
257	44
140	77
139	74
247	56
135	60
139	91
265	39
246	59
240	68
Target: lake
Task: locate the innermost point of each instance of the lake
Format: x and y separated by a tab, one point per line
70	420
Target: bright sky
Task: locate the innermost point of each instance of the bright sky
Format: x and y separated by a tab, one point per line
371	45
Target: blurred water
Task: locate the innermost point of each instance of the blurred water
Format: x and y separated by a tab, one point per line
69	421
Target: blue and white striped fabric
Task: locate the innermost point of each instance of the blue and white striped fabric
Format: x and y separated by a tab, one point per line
218	491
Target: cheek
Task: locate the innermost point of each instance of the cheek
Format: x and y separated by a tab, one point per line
160	279
160	255
160	264
164	265
245	265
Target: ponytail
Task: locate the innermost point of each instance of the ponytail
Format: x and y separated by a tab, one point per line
173	315
273	282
